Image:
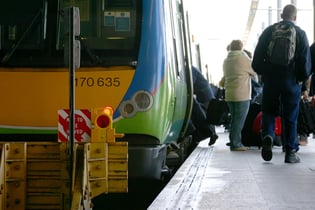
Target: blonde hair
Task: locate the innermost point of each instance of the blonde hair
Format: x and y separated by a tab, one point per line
236	45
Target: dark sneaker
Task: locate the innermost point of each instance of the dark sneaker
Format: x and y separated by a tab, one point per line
291	157
266	151
213	139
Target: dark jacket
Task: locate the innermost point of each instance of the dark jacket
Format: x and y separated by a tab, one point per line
202	88
312	82
312	49
300	68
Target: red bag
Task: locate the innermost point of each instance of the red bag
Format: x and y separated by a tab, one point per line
257	125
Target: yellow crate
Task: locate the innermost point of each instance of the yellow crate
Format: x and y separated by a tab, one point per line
46	168
47	151
118	150
15	195
15	170
44	201
117	168
47	185
118	185
97	169
15	151
96	150
97	187
36	176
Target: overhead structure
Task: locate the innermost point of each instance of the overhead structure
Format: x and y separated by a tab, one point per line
250	20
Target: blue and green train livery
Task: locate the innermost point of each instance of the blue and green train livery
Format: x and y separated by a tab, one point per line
134	58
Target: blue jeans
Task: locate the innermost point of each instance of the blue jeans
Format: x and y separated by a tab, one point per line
238	112
281	97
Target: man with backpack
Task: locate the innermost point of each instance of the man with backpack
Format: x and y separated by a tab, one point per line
282	58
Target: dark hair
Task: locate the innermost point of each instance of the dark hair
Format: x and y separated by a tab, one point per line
289	12
236	45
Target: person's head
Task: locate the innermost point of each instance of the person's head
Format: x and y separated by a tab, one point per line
236	45
289	12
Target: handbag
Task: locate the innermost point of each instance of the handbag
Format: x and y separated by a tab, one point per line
218	112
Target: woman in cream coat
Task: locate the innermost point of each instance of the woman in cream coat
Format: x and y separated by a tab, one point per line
237	74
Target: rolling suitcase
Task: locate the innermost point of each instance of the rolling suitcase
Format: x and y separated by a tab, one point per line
251	133
278	129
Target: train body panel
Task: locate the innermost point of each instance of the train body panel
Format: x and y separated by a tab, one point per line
32	97
158	74
133	58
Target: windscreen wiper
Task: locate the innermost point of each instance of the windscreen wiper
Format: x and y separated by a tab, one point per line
95	59
14	46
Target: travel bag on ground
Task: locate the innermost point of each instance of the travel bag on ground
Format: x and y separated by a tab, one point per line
218	112
249	138
251	133
306	118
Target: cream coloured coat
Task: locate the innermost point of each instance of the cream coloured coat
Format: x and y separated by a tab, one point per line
237	74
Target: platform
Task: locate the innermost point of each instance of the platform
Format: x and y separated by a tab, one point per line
216	178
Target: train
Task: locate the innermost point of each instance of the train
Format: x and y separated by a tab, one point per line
135	56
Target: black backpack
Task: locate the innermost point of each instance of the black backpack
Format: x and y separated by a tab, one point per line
281	48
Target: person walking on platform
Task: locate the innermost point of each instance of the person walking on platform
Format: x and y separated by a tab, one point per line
312	80
237	74
308	93
203	94
283	68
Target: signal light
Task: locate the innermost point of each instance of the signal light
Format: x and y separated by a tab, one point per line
103	117
102	121
103	131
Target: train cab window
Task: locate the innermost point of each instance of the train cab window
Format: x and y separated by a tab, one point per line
23	28
32	32
109	31
23	24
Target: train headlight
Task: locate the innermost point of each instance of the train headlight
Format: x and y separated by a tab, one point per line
143	100
127	109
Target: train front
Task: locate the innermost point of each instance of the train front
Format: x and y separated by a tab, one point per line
128	62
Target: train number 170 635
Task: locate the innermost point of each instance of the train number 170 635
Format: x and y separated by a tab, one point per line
97	82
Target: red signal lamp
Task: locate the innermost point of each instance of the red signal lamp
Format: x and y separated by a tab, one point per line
103	117
103	130
103	121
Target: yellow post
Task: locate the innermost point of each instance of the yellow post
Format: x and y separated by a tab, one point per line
106	159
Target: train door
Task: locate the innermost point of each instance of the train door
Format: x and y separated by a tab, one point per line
183	58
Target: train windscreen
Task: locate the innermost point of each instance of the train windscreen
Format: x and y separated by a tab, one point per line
32	32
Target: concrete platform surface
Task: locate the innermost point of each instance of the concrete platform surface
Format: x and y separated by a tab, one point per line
216	178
